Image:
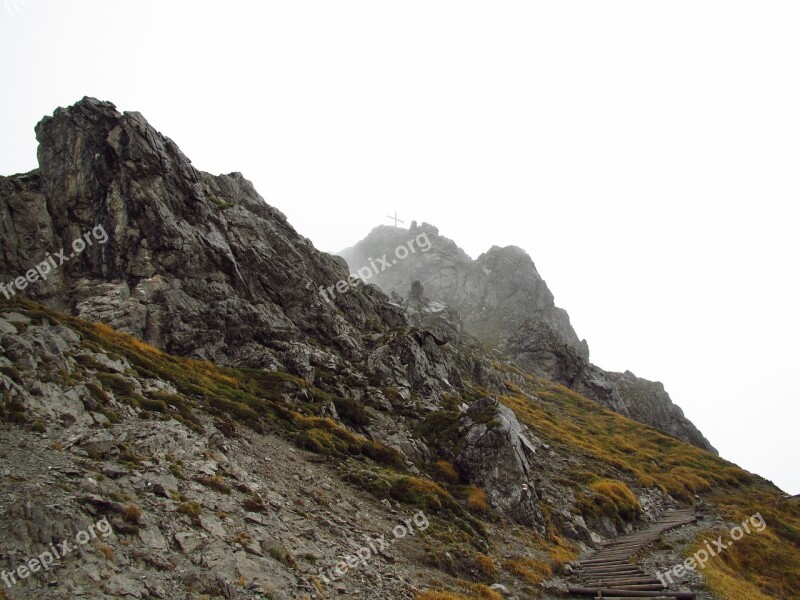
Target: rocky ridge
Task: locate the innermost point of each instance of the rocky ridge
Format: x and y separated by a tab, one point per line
204	501
252	433
505	303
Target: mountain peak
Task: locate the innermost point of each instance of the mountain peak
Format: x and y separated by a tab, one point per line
505	303
197	264
317	399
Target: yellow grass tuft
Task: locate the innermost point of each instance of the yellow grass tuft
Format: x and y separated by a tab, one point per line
618	495
478	592
445	471
561	552
486	566
113	335
477	502
531	570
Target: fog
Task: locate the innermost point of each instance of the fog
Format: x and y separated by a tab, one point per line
645	154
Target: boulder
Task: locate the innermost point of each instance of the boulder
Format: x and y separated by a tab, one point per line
495	454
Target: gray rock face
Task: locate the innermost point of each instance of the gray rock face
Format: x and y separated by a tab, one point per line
649	399
72	474
196	264
80	466
440	319
505	303
496	455
540	348
494	294
200	266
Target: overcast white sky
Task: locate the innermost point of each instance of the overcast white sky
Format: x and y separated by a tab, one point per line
646	155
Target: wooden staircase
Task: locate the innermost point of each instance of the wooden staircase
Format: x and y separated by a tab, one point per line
610	575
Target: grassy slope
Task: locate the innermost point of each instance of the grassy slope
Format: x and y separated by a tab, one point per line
765	563
612	449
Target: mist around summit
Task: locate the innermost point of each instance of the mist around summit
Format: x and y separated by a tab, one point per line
248	417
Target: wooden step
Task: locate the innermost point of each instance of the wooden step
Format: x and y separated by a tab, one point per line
609	574
629	544
637	542
614	574
634	597
640	587
596	561
636	572
609	569
622	581
622	593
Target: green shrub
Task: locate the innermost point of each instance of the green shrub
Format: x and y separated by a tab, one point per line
421	492
88	361
220	204
152	405
384	455
351	411
98	393
119	386
321	441
192	510
215	483
444	471
12	410
241	412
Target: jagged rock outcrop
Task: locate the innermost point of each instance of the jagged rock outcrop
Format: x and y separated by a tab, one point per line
493	294
196	264
440	319
201	266
247	483
538	348
649	399
505	303
497	456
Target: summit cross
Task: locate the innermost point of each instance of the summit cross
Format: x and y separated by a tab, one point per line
395	219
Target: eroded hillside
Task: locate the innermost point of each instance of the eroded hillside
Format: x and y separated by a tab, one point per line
247	484
170	370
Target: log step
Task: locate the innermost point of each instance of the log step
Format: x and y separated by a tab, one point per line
610	575
642	587
600	582
621	593
601	561
610	570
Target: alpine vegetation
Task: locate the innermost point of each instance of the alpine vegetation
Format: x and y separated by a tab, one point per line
248	434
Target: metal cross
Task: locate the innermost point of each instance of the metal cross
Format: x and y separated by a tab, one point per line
395	219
